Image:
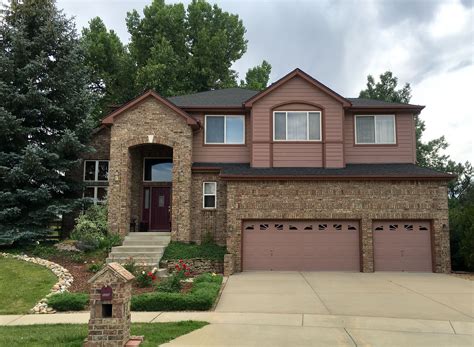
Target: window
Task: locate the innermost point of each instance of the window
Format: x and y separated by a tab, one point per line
158	170
379	129
297	126
97	194
96	170
225	130
209	196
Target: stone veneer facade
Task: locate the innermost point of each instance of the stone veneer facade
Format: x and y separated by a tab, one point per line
150	122
365	201
151	128
211	221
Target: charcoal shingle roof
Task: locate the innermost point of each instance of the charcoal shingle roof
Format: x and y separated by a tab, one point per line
229	97
362	102
351	170
235	97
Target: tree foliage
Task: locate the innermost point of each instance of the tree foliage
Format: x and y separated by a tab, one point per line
431	154
110	66
173	49
180	50
257	77
44	124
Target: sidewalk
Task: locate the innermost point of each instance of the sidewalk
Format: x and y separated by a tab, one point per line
262	319
284	329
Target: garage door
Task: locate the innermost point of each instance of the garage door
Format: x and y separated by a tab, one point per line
402	246
297	245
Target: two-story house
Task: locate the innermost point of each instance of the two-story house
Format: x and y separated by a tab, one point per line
295	177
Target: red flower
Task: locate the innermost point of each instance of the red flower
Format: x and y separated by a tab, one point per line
184	266
187	274
176	267
153	277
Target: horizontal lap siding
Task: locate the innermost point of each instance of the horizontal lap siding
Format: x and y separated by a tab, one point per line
220	153
297	155
403	152
261	154
304	154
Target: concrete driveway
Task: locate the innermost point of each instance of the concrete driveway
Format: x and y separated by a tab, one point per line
338	309
381	294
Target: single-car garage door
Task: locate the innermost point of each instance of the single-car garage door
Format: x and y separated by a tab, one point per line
310	245
402	246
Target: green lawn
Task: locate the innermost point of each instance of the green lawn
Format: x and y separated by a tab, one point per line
74	334
22	285
181	250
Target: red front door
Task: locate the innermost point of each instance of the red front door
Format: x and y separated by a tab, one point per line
160	208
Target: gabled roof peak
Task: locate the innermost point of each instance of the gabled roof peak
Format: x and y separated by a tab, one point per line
109	119
298	73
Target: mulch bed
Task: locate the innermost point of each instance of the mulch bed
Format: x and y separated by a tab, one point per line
81	275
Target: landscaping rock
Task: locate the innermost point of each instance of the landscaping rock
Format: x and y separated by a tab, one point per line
198	265
65	280
67	246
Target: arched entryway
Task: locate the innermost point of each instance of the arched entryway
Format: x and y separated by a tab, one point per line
151	187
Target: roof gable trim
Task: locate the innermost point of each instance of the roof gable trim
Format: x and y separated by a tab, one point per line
109	119
306	77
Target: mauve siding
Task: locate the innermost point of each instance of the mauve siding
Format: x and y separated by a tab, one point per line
333	157
303	154
403	152
297	155
260	154
220	153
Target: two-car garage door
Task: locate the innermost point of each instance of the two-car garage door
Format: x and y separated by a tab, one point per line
301	245
333	245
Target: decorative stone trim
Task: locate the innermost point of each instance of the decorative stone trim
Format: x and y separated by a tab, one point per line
198	265
64	277
228	264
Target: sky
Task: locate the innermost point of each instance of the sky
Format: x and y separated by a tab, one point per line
427	43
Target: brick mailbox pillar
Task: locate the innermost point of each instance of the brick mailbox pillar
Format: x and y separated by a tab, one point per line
110	294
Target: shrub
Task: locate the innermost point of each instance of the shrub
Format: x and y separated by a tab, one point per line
77	257
181	250
68	301
201	298
110	241
172	284
130	266
91	227
95	267
207	277
146	279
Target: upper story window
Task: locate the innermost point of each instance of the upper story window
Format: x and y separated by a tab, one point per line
297	126
96	170
224	129
375	129
158	170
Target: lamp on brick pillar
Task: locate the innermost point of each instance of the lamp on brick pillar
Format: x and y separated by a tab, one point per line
110	294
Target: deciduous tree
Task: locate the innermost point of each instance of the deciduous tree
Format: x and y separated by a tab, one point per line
257	77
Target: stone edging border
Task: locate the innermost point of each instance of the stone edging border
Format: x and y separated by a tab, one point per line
64	276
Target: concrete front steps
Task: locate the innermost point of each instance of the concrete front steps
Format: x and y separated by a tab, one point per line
146	249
